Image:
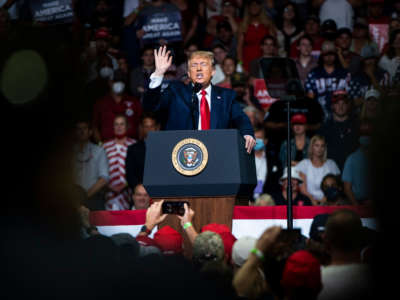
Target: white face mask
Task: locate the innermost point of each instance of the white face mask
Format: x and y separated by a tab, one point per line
106	73
118	87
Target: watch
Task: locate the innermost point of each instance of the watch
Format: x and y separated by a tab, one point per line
90	229
145	229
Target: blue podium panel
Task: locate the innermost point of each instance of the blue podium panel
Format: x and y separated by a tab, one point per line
189	163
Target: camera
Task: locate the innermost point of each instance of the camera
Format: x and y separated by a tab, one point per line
174	207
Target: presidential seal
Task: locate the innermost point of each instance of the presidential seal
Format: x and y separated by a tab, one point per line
189	157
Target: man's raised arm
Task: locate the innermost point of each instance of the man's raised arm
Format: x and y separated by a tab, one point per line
163	61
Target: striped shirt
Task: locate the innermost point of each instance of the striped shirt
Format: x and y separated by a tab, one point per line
116	154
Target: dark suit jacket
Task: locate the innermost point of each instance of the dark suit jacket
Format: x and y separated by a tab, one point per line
134	163
175	104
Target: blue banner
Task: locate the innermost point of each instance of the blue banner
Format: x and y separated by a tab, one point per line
52	11
165	25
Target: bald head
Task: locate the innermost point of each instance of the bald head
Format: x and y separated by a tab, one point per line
343	230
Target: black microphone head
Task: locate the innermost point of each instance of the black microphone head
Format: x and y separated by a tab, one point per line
197	87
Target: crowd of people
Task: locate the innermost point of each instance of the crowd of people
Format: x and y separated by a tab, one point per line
92	74
344	67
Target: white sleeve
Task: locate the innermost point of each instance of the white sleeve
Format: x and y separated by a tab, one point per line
335	168
301	166
102	165
155	81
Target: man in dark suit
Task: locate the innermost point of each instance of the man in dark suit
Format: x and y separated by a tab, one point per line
135	156
212	107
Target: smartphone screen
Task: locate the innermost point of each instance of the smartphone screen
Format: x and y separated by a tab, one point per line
174	207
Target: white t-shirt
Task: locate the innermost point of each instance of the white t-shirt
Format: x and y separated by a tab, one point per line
315	175
339	10
345	281
389	65
129	7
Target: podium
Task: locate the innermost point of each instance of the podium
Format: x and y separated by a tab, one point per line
210	169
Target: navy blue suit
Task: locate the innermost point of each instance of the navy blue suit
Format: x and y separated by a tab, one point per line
175	104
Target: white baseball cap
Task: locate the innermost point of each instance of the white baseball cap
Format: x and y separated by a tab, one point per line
372	93
295	174
241	249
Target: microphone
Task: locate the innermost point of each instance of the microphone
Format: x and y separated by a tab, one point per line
196	88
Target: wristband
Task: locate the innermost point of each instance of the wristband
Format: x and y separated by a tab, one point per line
187	225
257	253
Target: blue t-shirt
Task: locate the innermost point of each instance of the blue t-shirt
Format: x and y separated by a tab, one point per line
356	171
322	84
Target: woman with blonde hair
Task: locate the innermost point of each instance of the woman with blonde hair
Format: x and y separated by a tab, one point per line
313	169
255	25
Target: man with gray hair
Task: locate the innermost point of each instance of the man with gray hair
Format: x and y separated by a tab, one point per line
207	247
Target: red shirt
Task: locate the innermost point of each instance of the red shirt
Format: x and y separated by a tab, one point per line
252	43
106	109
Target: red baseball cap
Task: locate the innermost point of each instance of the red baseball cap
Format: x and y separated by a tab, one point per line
226	235
302	270
214	227
168	240
339	95
228	239
102	33
299	119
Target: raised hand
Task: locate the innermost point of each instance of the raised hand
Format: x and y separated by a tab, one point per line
188	216
268	238
154	215
163	60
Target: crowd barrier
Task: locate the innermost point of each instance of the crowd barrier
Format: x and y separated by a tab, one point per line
247	220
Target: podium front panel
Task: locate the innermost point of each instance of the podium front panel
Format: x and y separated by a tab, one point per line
229	169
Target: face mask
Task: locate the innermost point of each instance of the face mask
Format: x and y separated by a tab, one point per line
259	145
365	140
106	73
331	193
118	87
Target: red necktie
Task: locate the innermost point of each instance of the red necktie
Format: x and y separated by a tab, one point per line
204	111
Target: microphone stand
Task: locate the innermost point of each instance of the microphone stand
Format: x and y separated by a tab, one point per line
289	206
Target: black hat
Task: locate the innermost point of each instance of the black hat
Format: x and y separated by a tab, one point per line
318	227
328	25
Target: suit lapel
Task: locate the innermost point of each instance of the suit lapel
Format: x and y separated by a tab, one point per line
216	105
187	99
